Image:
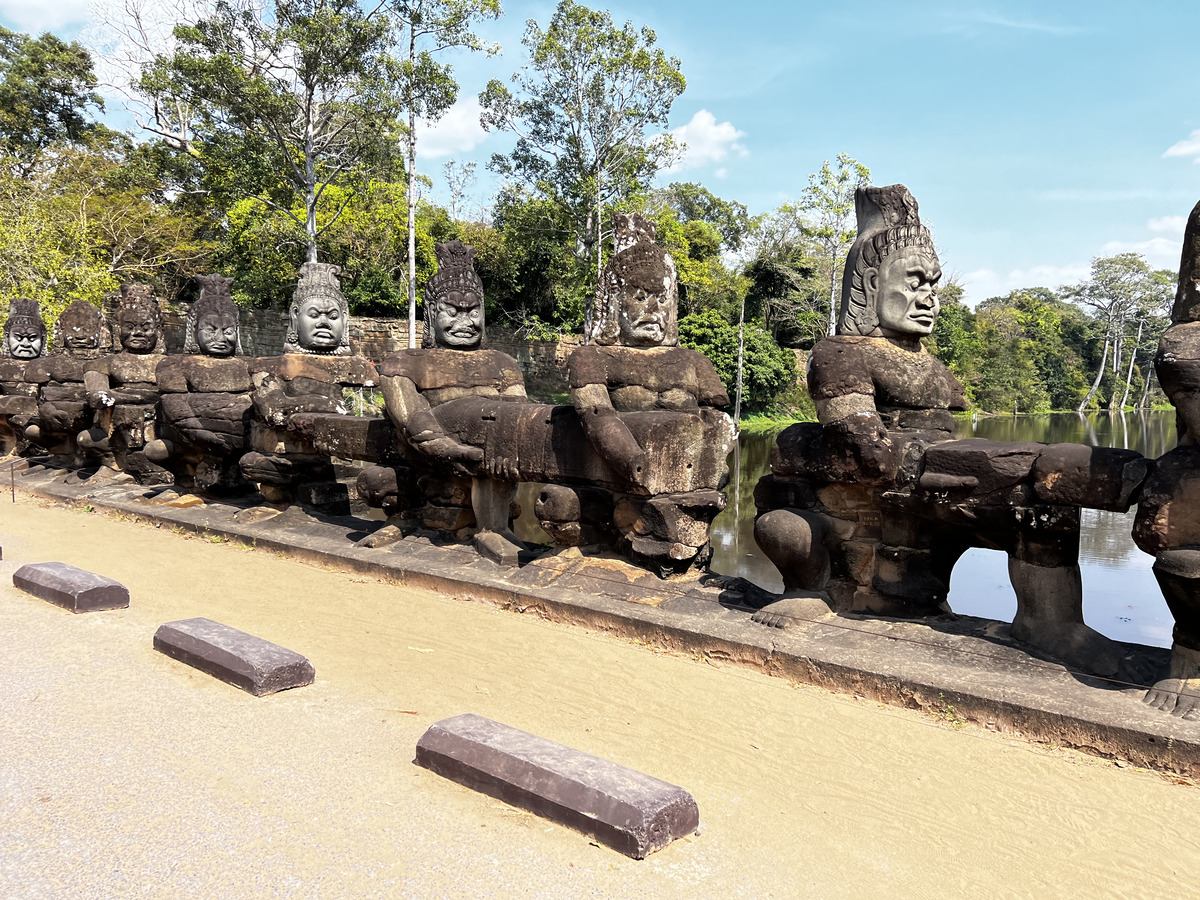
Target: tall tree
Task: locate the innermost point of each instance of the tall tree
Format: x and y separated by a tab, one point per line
428	27
587	113
828	203
1120	289
126	37
47	96
310	82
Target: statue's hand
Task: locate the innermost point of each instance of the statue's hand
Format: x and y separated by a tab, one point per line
462	458
617	445
100	399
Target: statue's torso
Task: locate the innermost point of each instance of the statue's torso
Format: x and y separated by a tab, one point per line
638	379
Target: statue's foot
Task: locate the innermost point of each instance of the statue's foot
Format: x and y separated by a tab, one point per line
1076	644
1179	693
797	606
501	547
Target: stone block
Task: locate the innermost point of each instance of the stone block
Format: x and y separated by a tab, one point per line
346	370
1089	477
629	811
71	588
233	656
346	437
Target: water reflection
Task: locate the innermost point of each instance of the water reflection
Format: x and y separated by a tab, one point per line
1121	597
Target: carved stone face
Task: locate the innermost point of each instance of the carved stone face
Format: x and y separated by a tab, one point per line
138	330
25	342
217	335
644	317
458	320
80	332
319	324
904	292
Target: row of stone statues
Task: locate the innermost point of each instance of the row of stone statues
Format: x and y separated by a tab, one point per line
865	511
636	463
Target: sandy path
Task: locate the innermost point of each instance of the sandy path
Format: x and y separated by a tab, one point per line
126	774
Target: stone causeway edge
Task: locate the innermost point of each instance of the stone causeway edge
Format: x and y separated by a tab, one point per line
959	668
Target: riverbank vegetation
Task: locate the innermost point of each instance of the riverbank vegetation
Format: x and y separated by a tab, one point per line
249	169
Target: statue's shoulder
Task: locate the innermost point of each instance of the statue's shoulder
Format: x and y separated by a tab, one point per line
588	365
841	364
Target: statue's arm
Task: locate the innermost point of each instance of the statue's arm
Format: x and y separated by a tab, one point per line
98	389
853	423
607	433
712	392
414	418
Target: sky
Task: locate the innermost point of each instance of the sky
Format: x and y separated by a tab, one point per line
1035	136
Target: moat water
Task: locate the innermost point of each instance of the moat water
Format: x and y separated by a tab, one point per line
1121	597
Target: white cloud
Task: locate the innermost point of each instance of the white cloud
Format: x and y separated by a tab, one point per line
458	131
985	283
37	17
707	142
1169	225
1189	146
999	21
1160	252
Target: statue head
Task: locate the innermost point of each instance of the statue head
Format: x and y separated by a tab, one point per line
638	305
890	285
81	330
24	331
454	300
319	316
212	322
1187	294
139	320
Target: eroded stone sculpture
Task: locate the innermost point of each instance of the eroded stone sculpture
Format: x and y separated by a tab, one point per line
122	392
205	396
309	379
80	337
24	341
212	322
455	485
649	410
871	508
1167	525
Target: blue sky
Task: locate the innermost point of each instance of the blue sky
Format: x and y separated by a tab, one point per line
1034	135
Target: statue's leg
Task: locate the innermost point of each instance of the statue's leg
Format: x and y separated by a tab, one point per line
1178	574
491	500
794	540
1044	570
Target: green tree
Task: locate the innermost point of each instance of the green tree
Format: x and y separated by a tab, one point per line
693	202
428	89
309	82
47	96
1009	378
954	340
1121	289
533	280
768	369
586	112
828	205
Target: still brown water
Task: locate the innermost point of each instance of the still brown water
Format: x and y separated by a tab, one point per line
1121	597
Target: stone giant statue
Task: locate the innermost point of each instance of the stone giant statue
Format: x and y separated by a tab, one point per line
1167	525
205	396
453	367
122	392
24	341
80	338
871	508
